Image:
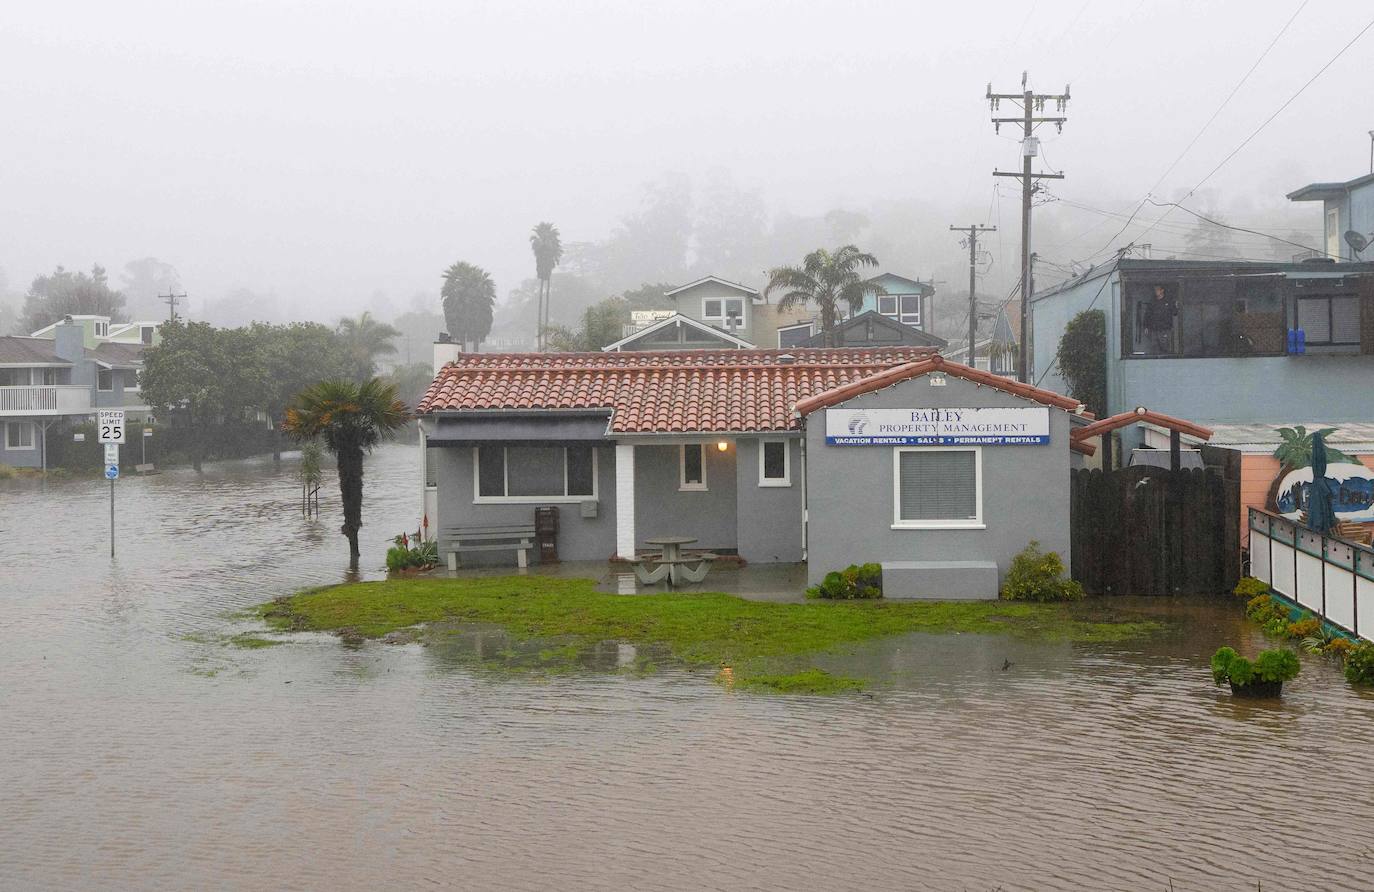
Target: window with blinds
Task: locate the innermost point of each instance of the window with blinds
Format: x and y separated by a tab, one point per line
937	487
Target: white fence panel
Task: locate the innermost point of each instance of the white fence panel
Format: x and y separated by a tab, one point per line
1283	581
1309	592
1259	556
1340	596
1364	589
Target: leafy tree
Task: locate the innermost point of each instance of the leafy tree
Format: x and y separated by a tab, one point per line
469	297
364	339
211	377
294	357
64	293
548	250
351	418
411	381
1082	359
832	280
602	324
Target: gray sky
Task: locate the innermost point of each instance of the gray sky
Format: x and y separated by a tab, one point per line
327	150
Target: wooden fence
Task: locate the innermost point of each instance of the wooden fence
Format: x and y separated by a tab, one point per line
1153	531
1329	576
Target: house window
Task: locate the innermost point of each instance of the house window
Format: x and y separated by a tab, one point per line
146	335
774	466
905	308
692	467
1330	321
793	335
19	435
104	379
102	329
14	378
52	376
937	488
534	473
131	380
1205	317
718	310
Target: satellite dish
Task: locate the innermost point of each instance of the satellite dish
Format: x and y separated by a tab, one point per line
1356	241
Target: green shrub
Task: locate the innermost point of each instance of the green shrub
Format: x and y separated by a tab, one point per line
408	552
855	582
1270	666
1307	626
1039	576
1359	663
1249	587
7	473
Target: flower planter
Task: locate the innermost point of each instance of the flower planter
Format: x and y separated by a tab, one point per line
1257	690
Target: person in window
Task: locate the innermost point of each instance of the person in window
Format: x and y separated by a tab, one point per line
1159	322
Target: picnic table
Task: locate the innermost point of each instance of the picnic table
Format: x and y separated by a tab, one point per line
673	564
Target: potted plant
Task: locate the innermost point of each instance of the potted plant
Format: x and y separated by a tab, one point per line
1262	678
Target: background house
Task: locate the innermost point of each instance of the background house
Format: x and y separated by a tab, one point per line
1346	208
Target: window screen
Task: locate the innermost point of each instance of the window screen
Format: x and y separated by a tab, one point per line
941	485
911	308
580	472
887	305
691	465
534	471
491	480
791	337
774	461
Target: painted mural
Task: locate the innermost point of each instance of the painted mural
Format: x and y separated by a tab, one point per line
1354	483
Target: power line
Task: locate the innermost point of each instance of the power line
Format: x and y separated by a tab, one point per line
972	240
1175	204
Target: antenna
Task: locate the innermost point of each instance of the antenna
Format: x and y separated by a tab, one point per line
1356	241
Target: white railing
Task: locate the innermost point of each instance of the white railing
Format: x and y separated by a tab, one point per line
52	399
1331	577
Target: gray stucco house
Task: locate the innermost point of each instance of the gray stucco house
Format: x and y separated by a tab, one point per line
1346	208
732	448
64	373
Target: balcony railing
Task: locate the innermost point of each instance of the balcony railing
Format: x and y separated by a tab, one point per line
53	399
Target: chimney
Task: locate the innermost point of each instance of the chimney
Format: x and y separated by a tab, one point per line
445	351
69	340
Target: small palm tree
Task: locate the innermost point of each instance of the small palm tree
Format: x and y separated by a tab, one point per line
365	339
351	418
469	297
548	250
830	279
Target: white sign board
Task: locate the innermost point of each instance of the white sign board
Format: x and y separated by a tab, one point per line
937	427
109	425
111	453
646	317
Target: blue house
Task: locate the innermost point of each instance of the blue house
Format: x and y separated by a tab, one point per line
907	300
1209	340
1347	215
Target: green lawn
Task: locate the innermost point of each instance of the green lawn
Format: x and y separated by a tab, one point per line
704	629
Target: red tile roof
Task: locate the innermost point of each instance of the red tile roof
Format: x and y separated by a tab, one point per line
682	391
924	366
1124	419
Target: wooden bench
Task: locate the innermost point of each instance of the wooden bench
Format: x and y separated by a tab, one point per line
513	537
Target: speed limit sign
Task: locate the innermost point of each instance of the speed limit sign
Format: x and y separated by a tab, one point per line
110	425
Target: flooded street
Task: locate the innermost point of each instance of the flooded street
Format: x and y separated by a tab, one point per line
139	749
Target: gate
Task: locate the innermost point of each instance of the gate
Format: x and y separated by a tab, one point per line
1153	531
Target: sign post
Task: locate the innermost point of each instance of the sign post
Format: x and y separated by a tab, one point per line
110	432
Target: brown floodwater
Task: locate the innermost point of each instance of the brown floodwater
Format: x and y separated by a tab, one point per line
139	750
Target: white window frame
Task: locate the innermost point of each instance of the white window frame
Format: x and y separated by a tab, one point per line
100	389
682	484
782	328
479	499
19	426
974	523
724	310
786	478
102	329
896	306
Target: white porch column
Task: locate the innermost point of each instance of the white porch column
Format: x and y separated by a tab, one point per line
625	500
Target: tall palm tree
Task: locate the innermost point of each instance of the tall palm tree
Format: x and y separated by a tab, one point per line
351	418
831	279
365	339
469	297
548	250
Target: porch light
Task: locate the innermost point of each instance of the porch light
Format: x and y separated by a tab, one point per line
722	445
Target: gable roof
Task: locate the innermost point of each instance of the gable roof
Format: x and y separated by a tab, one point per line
16	350
925	366
1321	191
677	319
752	292
670	391
921	287
117	355
906	334
1141	414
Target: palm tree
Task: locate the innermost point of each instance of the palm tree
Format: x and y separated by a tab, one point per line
351	418
365	339
832	280
469	297
548	250
1295	451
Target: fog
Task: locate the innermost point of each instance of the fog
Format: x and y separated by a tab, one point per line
311	159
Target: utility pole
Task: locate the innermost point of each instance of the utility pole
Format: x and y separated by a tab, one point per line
1032	104
972	240
170	299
